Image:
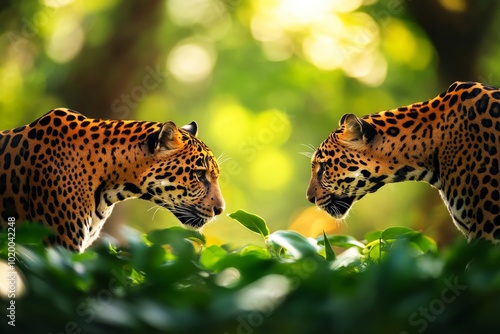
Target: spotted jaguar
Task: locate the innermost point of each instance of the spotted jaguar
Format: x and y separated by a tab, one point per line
67	171
451	141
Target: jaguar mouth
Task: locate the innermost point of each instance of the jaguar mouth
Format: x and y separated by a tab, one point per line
190	217
338	207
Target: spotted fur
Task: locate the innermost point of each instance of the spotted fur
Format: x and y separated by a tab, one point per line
451	141
67	171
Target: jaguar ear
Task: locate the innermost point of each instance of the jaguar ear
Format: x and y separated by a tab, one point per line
169	137
165	139
192	128
356	129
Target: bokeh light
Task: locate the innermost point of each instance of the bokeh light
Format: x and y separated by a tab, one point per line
402	45
312	222
66	40
56	3
454	5
330	34
271	170
188	12
191	62
230	124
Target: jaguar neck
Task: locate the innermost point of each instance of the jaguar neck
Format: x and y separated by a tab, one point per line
409	139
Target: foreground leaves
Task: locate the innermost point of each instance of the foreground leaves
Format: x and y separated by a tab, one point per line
170	281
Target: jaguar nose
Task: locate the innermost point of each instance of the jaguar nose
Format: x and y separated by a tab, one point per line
311	192
218	210
311	199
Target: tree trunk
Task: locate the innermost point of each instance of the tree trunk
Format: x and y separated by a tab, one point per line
102	77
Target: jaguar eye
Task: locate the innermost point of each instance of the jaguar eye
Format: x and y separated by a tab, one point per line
200	174
322	167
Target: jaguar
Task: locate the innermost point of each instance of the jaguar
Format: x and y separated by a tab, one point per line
451	141
67	171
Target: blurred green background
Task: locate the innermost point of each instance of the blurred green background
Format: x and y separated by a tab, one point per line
266	80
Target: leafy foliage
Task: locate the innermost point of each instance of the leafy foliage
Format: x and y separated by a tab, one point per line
170	281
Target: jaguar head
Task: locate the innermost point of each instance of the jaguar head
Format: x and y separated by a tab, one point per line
344	167
182	175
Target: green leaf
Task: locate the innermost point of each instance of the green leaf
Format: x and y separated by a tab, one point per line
173	235
426	244
398	232
330	255
184	244
211	256
372	236
256	251
296	245
28	233
136	277
32	258
373	250
351	257
252	222
420	241
344	241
